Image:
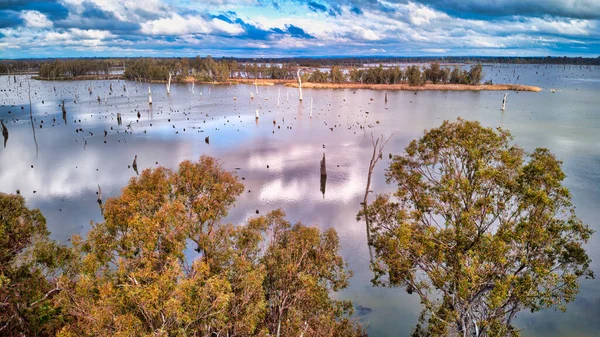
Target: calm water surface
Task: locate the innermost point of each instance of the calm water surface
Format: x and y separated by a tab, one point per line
68	165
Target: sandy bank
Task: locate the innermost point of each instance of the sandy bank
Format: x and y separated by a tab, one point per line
80	78
260	82
441	87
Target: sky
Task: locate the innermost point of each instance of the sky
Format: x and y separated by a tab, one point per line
288	28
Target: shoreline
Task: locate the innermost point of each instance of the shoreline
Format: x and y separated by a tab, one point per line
234	81
424	87
400	86
310	85
80	78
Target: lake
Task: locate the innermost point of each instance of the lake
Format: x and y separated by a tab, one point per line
279	163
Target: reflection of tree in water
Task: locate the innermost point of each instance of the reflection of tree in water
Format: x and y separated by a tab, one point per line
134	165
64	112
323	175
4	132
323	184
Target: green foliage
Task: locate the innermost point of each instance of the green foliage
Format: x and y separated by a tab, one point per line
336	75
377	75
203	69
30	265
479	230
318	76
415	78
73	68
458	76
278	72
434	73
356	75
475	74
144	69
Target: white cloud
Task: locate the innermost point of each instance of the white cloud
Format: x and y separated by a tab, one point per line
175	25
435	50
420	14
365	34
94	34
226	27
566	27
179	25
123	10
75	34
36	19
259	45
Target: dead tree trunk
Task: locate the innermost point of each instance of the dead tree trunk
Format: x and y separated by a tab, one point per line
168	85
378	146
300	84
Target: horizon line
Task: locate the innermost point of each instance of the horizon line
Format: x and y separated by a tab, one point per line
309	57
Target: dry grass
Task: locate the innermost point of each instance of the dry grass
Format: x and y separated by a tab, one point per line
80	78
260	82
441	87
190	79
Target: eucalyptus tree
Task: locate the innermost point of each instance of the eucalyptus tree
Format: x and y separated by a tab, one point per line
479	229
318	76
337	75
414	75
475	74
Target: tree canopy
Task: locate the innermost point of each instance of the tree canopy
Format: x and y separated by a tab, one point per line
479	230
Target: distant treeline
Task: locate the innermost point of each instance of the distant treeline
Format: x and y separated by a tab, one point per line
57	66
30	65
319	70
20	66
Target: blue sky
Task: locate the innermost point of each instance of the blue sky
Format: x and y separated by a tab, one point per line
279	28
